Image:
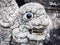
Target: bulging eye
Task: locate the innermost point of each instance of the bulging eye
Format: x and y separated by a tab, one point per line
27	16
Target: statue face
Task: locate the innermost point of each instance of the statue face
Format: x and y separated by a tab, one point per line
33	18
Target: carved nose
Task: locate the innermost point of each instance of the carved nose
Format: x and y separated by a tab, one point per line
38	22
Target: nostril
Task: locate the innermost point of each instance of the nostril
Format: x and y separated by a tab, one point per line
36	22
44	21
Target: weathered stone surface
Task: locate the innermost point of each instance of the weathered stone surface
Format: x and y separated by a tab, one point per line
32	17
23	29
8	13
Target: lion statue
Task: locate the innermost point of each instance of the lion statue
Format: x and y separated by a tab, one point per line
34	25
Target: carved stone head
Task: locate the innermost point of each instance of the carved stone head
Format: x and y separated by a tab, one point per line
34	20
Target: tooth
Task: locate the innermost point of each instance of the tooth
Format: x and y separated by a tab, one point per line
32	31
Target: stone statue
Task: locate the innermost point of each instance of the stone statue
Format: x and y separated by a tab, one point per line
26	25
34	25
8	12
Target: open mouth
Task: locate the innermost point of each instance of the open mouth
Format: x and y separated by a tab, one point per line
36	31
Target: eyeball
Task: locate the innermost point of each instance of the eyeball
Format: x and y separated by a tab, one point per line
27	16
